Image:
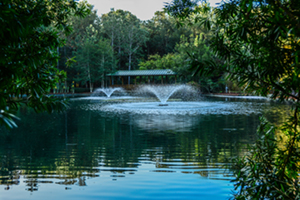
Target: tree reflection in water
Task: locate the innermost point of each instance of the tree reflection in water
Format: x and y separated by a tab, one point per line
67	149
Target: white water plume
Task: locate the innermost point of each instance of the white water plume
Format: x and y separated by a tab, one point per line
107	91
164	92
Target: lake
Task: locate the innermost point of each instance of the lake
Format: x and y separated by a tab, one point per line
93	153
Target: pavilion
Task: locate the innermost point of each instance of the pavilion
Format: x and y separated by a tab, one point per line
143	74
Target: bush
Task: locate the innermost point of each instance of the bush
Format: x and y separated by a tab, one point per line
267	171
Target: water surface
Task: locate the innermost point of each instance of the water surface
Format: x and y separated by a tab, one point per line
87	153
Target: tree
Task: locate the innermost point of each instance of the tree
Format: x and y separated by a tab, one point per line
164	34
80	26
197	48
94	58
114	24
259	40
125	32
29	38
111	25
178	62
135	37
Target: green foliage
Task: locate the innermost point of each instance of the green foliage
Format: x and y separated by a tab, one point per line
164	34
259	42
179	62
268	172
254	39
181	8
29	38
94	58
126	34
134	41
168	61
80	26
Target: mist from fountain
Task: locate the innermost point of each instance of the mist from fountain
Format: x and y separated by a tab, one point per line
164	92
185	101
107	91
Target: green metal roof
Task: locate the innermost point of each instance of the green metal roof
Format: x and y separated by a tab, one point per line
155	72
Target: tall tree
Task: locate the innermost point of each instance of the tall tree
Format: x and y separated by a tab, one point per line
126	33
79	29
164	34
94	58
111	25
28	53
135	37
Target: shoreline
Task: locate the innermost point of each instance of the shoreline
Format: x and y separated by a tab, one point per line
234	95
221	95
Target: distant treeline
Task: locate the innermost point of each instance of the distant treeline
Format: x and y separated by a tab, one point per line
118	40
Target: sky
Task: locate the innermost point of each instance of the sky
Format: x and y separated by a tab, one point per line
143	9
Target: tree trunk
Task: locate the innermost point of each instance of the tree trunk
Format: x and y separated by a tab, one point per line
129	67
90	79
89	72
103	77
119	53
112	40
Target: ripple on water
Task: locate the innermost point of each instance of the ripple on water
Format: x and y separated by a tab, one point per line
181	108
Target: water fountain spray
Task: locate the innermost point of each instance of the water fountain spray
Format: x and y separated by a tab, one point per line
107	91
164	92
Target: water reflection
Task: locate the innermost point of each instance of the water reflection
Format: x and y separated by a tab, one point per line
163	123
71	148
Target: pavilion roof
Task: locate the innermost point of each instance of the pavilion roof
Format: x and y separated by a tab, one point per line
154	72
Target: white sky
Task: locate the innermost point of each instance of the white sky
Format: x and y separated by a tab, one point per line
143	9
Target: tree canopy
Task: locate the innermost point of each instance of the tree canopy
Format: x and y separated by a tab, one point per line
29	38
259	42
133	42
94	57
41	53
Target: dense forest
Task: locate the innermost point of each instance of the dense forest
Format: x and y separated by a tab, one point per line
118	40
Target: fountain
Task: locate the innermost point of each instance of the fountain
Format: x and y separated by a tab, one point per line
107	91
164	92
185	101
106	94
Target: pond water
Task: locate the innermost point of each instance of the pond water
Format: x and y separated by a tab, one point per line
91	153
